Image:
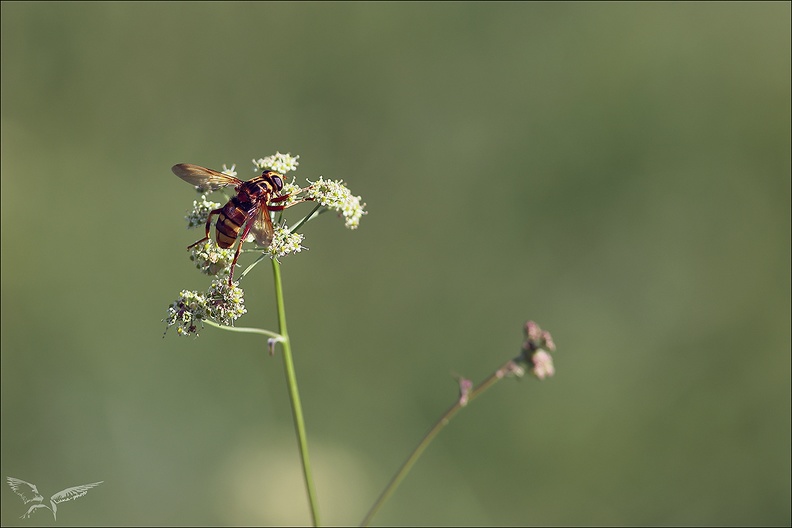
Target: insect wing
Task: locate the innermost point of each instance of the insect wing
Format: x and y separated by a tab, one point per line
203	178
262	229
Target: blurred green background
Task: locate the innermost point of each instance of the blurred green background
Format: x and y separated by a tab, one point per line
619	173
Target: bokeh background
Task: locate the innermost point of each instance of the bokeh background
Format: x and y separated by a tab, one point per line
619	173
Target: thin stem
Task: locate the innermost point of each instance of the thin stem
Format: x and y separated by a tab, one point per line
307	217
253	265
269	333
294	228
429	436
291	381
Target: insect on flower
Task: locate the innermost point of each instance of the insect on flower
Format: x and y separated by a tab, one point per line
247	212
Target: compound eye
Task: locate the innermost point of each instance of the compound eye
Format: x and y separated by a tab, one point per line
278	182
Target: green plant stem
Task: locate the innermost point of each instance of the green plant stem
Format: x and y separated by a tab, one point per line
307	217
291	381
242	329
429	436
247	270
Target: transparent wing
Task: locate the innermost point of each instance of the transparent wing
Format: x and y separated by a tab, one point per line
262	229
203	178
73	493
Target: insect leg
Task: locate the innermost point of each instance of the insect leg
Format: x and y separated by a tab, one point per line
248	224
282	207
208	227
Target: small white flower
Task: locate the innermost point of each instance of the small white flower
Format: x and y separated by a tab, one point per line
229	172
282	163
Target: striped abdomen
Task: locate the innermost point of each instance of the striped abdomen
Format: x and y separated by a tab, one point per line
250	196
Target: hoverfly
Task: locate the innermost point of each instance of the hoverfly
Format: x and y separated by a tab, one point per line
247	212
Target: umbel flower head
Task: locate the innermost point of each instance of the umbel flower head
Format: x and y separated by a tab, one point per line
211	259
284	242
187	312
335	196
224	304
282	163
200	212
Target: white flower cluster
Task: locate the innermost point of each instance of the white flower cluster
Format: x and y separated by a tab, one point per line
186	312
223	303
282	163
284	243
226	302
200	212
211	259
334	195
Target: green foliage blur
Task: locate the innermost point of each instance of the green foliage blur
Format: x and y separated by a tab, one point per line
617	172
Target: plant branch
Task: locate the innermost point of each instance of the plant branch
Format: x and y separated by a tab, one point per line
268	333
307	217
430	435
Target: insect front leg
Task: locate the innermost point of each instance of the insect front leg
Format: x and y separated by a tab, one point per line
282	207
208	227
241	240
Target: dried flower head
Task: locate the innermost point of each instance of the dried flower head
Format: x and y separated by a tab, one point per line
542	364
512	368
548	341
536	338
465	386
536	351
532	331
